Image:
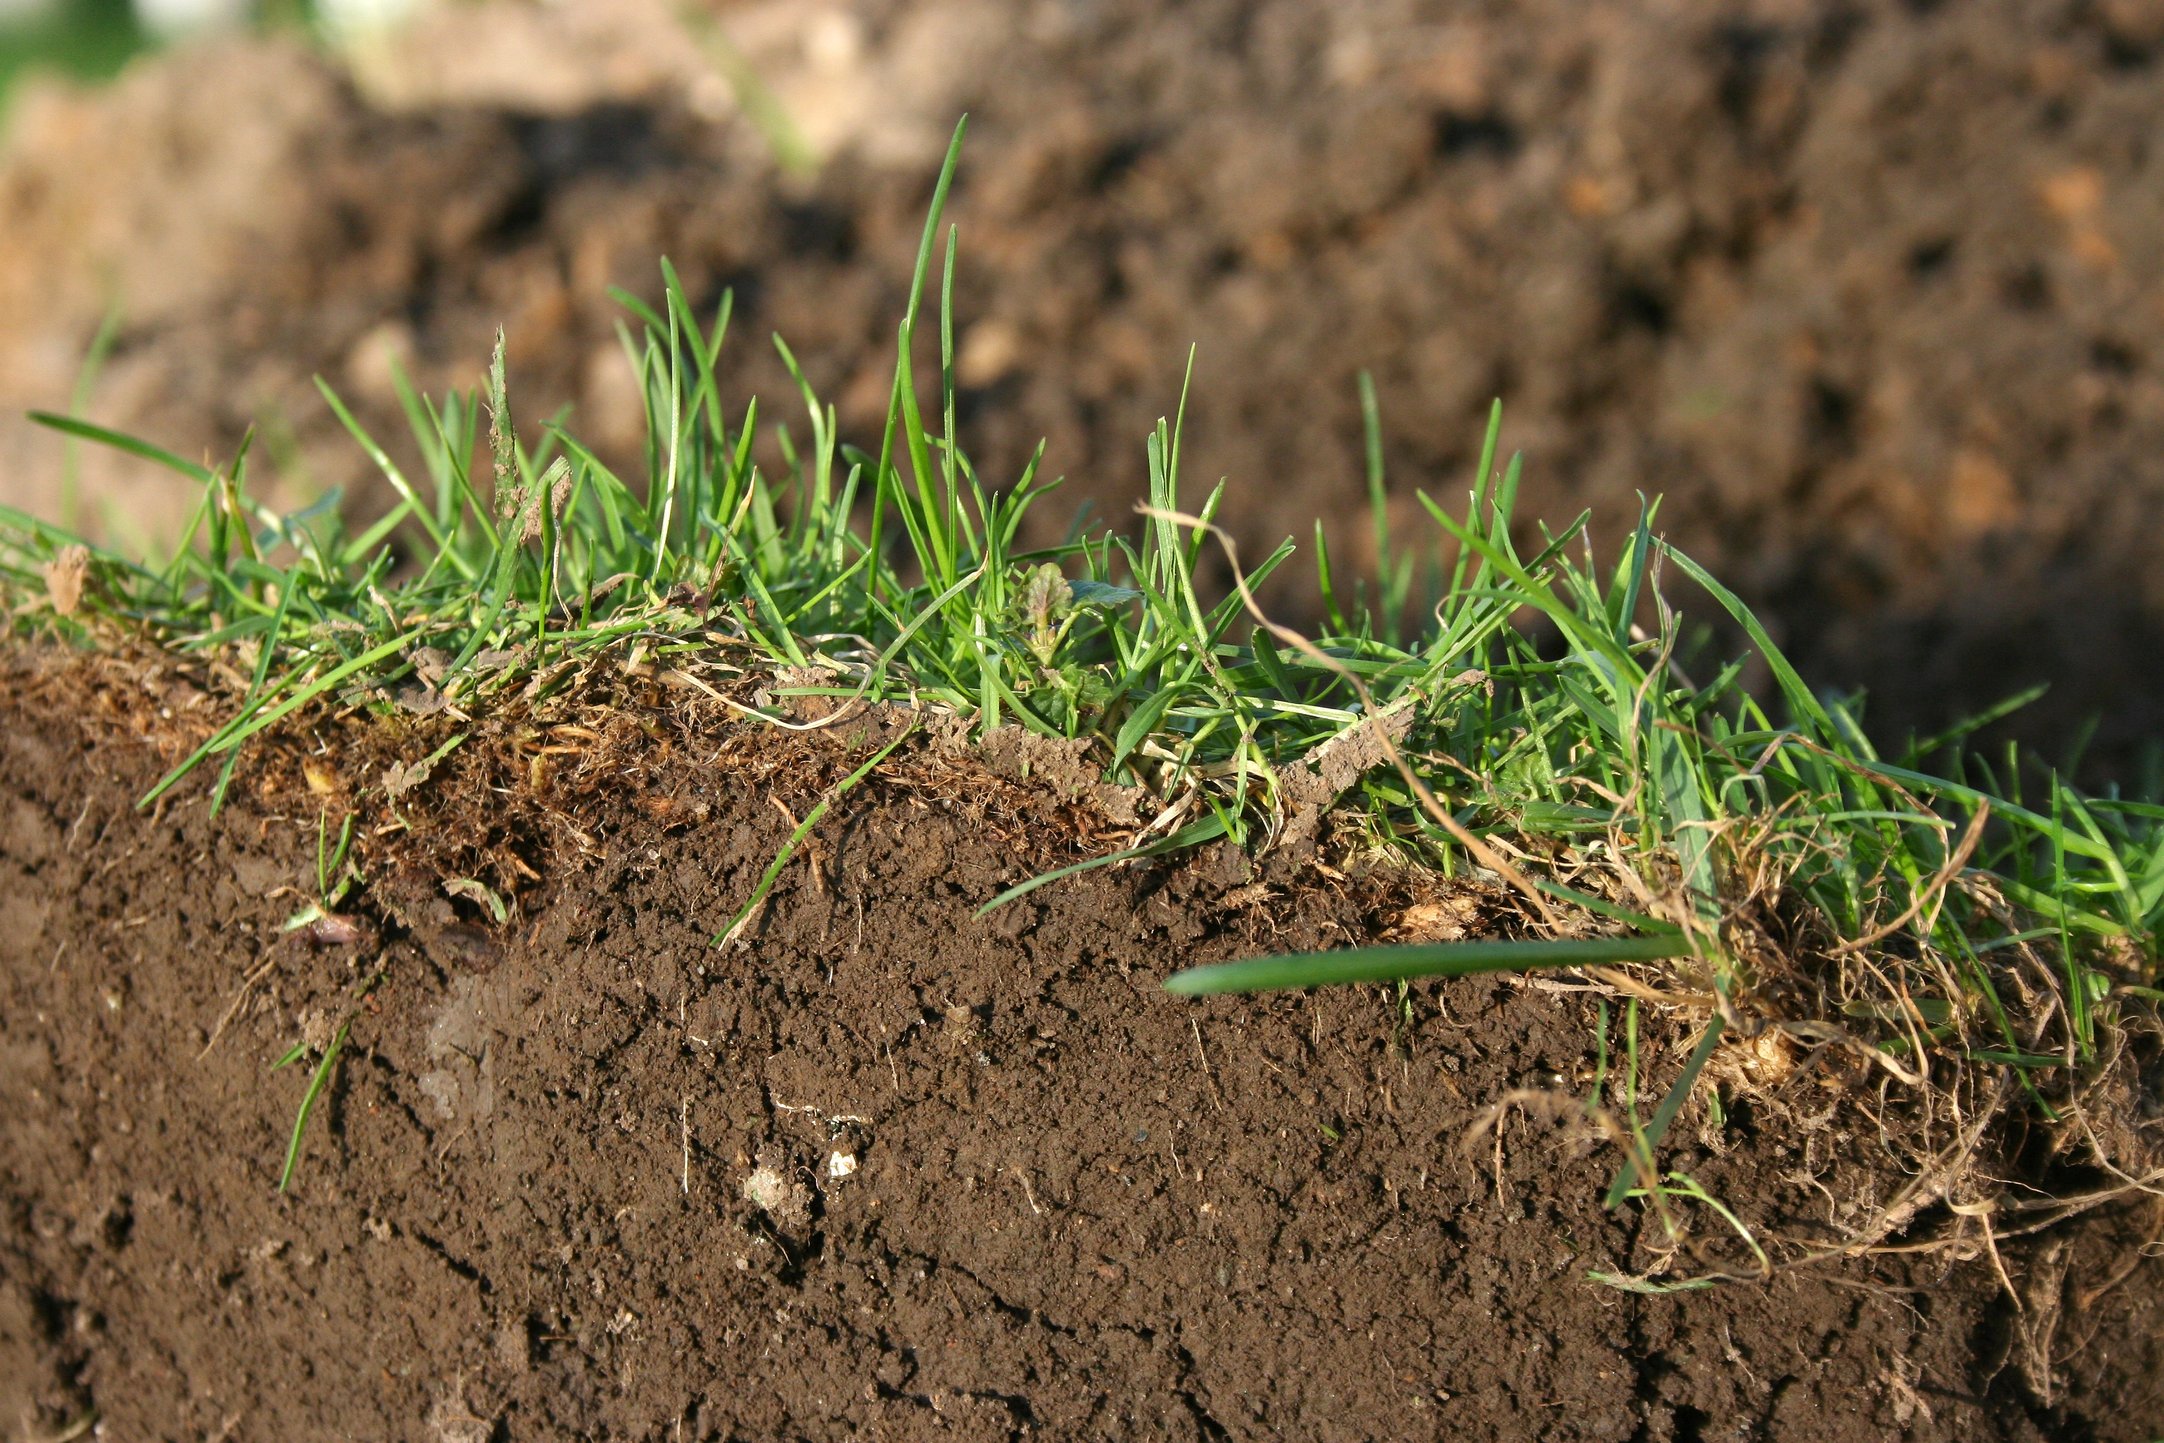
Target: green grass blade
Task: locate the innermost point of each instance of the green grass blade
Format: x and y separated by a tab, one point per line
316	1084
1665	1113
803	830
1439	959
1194	834
85	430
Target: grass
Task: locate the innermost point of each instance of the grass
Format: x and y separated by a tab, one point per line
317	1081
83	39
1520	702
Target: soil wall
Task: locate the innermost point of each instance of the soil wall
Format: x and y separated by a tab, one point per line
887	1170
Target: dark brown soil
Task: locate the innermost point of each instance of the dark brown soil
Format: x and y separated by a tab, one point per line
1080	1207
1871	289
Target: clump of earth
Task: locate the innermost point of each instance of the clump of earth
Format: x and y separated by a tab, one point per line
888	1166
1870	292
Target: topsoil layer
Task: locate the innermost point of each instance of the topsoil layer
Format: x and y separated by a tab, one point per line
888	1171
1871	289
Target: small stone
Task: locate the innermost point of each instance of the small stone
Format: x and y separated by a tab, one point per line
784	1199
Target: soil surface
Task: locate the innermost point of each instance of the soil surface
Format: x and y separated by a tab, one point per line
887	1170
1870	289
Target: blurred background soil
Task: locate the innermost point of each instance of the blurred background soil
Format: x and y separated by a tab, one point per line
1873	292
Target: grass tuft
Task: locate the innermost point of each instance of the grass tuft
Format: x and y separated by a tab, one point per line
1927	907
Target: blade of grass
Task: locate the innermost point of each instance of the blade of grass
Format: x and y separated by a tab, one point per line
1209	829
1439	959
1650	1138
803	829
316	1084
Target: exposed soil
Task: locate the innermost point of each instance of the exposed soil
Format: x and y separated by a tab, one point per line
584	1174
1870	290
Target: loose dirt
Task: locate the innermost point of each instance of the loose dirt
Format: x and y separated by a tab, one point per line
888	1170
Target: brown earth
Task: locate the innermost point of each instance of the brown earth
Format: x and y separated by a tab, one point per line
1870	289
577	1175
